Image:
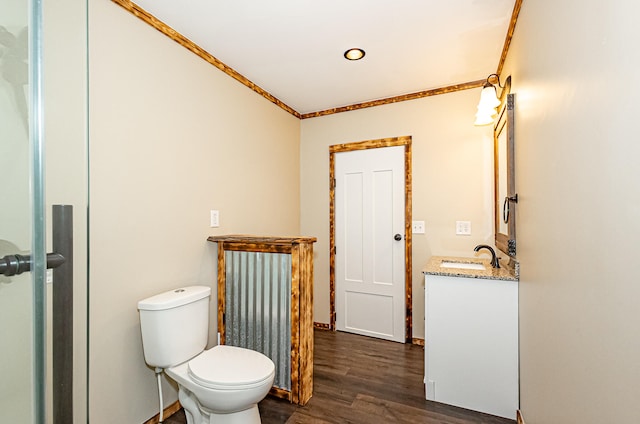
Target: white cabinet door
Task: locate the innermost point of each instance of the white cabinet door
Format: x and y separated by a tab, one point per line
471	343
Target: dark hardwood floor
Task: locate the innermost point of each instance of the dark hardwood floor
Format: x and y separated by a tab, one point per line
361	380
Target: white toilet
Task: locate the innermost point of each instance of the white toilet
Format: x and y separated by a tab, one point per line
221	385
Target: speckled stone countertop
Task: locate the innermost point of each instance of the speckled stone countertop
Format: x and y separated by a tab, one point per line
505	272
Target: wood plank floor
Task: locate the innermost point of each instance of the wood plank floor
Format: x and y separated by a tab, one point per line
361	380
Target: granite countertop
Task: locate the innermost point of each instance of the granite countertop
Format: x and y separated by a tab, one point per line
505	272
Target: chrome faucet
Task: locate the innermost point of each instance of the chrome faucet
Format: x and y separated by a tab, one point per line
494	258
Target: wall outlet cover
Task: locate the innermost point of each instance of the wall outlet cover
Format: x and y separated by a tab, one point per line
463	228
417	227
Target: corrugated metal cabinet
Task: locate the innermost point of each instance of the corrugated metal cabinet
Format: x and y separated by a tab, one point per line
265	303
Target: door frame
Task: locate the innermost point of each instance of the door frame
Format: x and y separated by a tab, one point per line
364	145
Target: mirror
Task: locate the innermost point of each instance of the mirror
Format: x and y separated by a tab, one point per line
505	198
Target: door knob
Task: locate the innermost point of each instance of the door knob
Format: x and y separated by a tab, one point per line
397	237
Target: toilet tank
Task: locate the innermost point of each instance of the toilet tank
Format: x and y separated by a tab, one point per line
175	325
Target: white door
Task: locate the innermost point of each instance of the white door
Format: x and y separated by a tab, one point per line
370	246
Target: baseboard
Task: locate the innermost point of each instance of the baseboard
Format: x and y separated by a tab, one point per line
519	418
419	342
167	412
321	326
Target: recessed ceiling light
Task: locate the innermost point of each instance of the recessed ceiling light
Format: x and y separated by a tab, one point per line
354	54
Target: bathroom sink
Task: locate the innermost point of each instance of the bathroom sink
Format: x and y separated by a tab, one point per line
462	265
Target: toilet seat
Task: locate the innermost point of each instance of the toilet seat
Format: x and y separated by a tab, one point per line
229	367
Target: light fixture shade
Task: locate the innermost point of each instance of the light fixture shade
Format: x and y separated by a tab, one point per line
483	118
489	97
487	106
489	101
485	115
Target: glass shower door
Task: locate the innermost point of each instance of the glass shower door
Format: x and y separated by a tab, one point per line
22	297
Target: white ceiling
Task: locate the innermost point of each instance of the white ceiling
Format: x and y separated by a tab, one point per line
294	49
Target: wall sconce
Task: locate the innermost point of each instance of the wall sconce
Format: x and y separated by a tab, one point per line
489	101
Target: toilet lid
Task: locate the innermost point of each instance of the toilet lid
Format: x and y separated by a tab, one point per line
230	366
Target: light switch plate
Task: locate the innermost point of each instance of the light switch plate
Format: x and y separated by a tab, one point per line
215	219
463	228
418	227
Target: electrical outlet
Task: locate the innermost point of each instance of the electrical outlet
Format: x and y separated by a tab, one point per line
418	227
215	218
463	228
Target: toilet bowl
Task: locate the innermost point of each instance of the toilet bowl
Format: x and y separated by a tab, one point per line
222	385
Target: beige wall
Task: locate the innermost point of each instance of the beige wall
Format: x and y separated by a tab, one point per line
575	67
452	180
170	139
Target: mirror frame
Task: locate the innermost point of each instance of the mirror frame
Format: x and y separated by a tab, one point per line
505	209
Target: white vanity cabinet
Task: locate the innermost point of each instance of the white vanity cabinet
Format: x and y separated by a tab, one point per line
471	343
